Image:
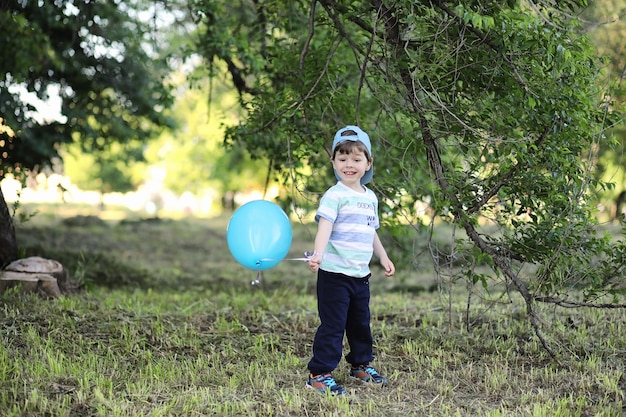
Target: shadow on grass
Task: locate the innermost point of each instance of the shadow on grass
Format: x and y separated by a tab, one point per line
187	254
152	253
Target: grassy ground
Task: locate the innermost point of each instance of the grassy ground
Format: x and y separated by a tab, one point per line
169	325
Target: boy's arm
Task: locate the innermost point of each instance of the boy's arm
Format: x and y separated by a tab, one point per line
381	254
324	229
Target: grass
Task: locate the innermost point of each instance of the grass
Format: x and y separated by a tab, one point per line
169	325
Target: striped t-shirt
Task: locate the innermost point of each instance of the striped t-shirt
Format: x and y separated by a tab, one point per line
354	217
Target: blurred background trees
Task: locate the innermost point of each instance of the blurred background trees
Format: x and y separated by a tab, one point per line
605	22
96	65
101	65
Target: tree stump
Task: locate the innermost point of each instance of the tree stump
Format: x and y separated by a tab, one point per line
34	274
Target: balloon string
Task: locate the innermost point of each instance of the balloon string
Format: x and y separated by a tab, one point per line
257	281
285	259
307	257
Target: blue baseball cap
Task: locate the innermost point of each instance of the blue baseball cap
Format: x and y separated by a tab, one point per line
360	136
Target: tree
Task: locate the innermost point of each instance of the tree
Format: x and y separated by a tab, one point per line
605	24
101	59
193	155
487	109
104	171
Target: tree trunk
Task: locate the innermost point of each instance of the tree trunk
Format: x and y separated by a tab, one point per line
8	243
617	209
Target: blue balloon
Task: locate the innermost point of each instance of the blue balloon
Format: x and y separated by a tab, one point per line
259	235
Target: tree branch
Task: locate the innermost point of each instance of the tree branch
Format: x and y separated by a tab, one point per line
307	42
504	180
576	304
487	41
438	170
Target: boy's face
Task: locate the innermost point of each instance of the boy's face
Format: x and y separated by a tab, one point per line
351	166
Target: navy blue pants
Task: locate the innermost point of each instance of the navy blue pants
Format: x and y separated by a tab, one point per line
343	304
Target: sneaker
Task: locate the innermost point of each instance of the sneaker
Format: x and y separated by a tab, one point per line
325	383
367	373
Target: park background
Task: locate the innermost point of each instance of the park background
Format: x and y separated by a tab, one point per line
131	134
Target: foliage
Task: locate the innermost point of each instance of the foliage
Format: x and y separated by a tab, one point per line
98	59
193	155
488	111
605	25
104	172
95	56
603	20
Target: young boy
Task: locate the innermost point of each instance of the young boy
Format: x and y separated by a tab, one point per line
346	238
